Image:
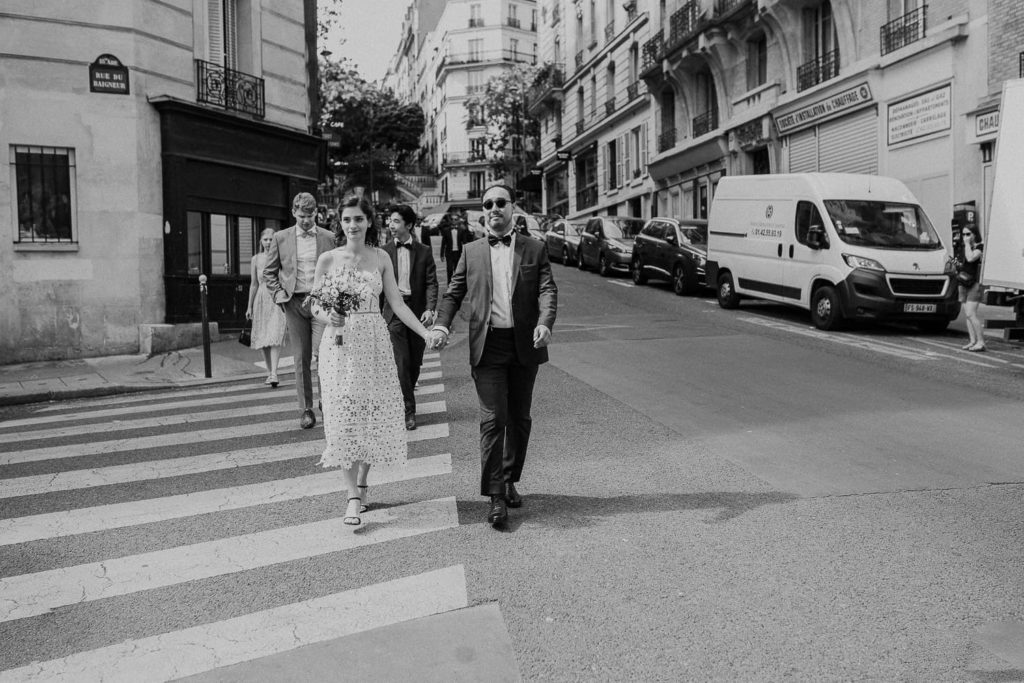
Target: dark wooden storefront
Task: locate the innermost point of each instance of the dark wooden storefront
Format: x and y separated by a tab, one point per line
225	179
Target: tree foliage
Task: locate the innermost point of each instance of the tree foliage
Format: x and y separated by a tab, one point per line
503	109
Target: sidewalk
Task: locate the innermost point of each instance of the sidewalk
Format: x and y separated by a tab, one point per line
50	380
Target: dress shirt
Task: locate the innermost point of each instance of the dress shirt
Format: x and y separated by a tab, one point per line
305	257
455	240
501	283
404	249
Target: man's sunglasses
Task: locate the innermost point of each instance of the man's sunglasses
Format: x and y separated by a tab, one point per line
489	204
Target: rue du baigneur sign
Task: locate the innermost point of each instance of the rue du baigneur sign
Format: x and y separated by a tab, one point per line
108	75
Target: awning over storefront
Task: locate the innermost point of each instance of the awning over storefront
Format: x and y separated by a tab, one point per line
691	157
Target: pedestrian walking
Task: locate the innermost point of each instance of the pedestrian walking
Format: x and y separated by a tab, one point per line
362	399
455	235
513	301
288	273
969	289
417	283
268	320
422	234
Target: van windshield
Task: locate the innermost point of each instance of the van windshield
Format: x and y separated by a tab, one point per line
883	225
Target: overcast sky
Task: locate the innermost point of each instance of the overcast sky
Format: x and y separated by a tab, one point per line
369	34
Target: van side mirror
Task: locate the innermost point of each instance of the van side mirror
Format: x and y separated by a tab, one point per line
816	237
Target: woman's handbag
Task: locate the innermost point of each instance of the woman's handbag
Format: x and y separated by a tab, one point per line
964	278
245	337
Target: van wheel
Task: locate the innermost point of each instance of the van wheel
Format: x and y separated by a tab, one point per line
683	280
727	296
565	256
602	266
825	311
639	276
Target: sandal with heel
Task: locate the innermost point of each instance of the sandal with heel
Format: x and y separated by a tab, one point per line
353	520
364	492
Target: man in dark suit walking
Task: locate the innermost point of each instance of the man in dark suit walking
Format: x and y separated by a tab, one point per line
513	301
291	264
455	235
417	281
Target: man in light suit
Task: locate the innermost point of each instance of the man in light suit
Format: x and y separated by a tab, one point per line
416	275
512	304
291	264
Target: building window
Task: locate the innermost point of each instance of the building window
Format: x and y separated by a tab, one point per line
513	46
44	183
477	149
757	62
476	50
613	166
475	18
222	31
821	53
223	245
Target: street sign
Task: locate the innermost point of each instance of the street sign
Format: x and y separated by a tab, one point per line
108	75
563	156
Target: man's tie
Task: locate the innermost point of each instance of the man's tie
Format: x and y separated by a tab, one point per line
494	239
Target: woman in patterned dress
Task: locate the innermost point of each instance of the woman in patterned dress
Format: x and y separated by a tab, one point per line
364	413
268	321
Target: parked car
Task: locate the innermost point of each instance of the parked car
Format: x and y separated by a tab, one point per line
607	243
674	249
563	241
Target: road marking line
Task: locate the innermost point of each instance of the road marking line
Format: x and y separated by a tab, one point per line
899	352
168	392
433	374
427	389
431	364
119	515
198	649
621	284
29	595
433	431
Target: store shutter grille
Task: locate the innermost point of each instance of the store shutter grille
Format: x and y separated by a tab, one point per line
803	151
849	144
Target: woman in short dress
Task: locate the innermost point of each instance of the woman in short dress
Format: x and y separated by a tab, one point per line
970	295
268	321
364	413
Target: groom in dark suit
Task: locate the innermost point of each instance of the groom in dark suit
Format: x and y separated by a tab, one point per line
512	301
416	275
291	263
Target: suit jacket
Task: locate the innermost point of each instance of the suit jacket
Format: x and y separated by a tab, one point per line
534	296
423	234
422	279
281	269
465	236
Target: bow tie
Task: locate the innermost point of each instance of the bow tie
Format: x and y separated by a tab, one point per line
307	233
407	245
494	239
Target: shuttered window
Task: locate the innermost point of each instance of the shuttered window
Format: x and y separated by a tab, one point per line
222	32
849	144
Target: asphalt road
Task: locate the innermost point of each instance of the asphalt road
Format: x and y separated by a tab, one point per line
710	495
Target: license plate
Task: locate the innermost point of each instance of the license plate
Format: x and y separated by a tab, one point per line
918	308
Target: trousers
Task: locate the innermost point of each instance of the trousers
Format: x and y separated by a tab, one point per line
305	332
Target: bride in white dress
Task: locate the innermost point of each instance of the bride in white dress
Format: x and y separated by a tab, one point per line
364	413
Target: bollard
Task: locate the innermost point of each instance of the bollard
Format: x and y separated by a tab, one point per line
206	326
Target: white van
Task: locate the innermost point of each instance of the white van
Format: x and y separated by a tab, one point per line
841	245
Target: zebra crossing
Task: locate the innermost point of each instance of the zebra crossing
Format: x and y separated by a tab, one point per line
144	513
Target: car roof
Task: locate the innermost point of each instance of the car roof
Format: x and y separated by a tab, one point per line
683	222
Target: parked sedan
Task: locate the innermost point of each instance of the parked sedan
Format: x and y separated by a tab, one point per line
563	241
672	249
607	243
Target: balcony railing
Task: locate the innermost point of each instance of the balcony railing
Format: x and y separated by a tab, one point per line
579	59
817	70
579	127
475	22
513	22
451	158
475	193
609	106
667	139
705	123
653	50
903	31
586	197
724	7
476	87
684	23
230	89
632	91
609	32
485	56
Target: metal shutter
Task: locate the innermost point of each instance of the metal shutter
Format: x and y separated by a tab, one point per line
849	144
803	151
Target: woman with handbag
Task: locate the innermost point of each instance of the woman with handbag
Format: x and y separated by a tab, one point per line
969	284
268	320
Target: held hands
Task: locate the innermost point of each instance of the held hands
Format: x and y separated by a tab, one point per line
541	336
436	340
428	317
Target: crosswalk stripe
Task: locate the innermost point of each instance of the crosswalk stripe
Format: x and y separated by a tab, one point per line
431	364
433	374
203	648
119	515
167	392
29	595
428	389
432	431
179	419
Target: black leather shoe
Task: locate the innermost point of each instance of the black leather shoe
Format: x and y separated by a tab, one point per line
410	422
308	419
498	513
512	496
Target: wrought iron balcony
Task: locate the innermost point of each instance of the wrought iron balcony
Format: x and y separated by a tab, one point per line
653	51
903	31
632	91
475	22
609	106
456	158
724	7
817	70
485	56
684	24
705	123
586	197
667	139
513	22
230	89
609	32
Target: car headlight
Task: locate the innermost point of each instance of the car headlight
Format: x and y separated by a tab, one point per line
860	262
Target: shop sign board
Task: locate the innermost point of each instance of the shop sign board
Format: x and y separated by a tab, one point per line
851	98
986	124
920	115
108	75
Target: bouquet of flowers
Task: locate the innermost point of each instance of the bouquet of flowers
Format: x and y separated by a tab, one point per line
342	290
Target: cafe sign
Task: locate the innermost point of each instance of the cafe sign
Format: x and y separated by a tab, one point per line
108	75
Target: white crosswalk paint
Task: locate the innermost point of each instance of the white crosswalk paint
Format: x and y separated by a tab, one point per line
203	648
178	439
433	374
28	595
164	392
118	515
